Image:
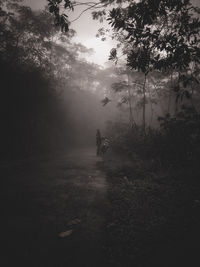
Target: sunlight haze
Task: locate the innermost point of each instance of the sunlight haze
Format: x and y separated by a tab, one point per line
86	29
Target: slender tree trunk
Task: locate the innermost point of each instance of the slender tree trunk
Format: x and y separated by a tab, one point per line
177	99
132	122
170	94
151	105
144	105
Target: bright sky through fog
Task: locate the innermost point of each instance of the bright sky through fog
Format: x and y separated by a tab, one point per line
86	29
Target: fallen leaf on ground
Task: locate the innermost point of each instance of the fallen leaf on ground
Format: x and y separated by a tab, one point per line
65	233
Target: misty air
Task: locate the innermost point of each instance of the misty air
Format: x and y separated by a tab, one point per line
100	133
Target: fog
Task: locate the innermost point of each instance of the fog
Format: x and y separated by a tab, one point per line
53	98
100	135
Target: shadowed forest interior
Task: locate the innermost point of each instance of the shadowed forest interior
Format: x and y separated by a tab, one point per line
137	201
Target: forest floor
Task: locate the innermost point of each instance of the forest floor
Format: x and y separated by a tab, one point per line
154	218
79	210
54	211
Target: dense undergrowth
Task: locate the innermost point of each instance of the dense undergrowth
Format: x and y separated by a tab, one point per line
175	143
154	193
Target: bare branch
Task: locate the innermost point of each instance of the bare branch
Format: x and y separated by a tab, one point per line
90	7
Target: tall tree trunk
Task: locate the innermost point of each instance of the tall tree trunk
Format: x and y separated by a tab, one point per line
144	105
151	105
170	93
132	122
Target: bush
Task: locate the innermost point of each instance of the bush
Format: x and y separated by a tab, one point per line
175	143
181	136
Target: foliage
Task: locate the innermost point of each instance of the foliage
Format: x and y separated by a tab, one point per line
154	35
181	136
162	34
61	20
175	144
31	110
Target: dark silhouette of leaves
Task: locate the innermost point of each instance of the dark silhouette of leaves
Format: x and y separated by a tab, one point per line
105	101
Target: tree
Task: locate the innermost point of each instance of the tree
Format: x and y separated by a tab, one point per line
160	35
163	35
32	116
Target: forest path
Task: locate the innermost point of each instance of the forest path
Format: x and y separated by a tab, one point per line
54	211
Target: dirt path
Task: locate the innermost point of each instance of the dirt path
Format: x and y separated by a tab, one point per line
54	211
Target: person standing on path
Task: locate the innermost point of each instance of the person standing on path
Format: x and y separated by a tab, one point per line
98	142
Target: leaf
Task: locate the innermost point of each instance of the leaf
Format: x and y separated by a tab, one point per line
105	101
113	54
65	233
51	9
69	5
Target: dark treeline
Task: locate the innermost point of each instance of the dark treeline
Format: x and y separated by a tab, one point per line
31	112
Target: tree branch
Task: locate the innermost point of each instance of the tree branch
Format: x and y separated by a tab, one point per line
90	7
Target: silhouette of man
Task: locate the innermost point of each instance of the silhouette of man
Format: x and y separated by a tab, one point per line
98	142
